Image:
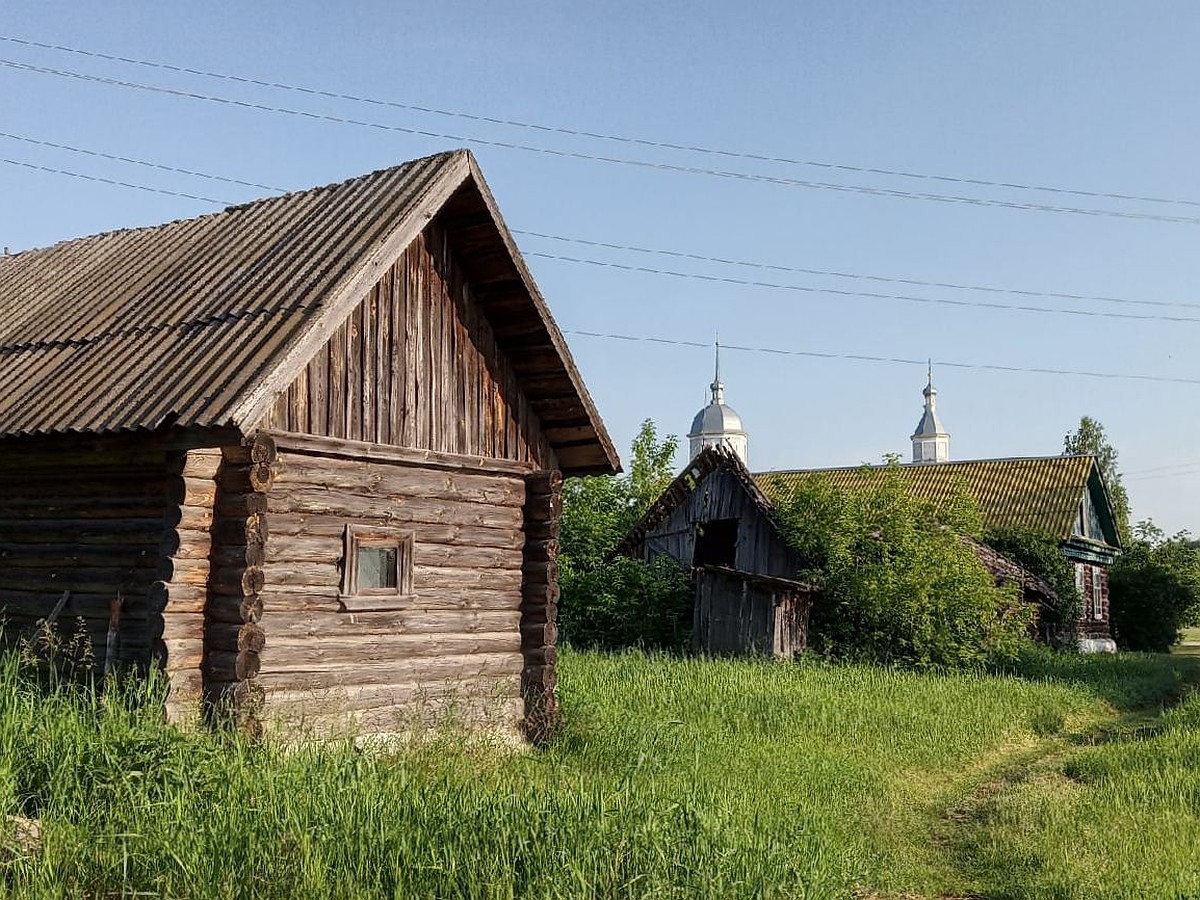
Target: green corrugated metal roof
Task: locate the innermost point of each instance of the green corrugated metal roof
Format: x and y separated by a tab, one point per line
1039	492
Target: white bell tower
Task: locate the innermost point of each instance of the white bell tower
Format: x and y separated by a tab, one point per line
930	442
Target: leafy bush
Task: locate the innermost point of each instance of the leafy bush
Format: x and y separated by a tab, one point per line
1153	590
616	602
627	603
1039	552
899	584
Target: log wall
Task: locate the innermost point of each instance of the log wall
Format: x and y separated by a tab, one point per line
178	599
417	365
88	521
454	647
539	601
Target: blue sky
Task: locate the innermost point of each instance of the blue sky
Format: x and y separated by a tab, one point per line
1093	97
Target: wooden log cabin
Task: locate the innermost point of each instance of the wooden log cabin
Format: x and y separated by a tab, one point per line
305	454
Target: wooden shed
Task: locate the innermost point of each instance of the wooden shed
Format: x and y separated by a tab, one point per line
714	520
313	445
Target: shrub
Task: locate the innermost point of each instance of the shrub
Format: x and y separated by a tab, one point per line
610	602
899	585
1153	590
626	603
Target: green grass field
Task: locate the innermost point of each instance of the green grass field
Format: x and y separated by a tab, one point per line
670	778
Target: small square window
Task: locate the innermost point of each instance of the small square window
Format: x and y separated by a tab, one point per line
376	568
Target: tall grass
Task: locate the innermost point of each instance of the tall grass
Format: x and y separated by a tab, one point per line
670	778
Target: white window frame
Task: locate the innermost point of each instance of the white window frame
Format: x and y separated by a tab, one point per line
1098	593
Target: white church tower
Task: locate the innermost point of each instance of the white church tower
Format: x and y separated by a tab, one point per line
930	442
717	424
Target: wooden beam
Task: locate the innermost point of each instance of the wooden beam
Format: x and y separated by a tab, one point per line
400	456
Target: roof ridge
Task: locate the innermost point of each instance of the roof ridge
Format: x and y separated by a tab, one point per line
236	207
925	465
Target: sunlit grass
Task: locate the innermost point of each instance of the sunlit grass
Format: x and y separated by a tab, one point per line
669	778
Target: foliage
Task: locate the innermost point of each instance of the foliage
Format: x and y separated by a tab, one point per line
1091	438
624	602
611	602
1153	589
671	778
899	585
1039	552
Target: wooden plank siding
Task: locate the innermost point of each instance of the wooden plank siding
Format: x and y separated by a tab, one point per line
721	495
738	613
453	646
418	365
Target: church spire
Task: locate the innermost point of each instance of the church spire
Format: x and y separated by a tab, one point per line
718	389
930	442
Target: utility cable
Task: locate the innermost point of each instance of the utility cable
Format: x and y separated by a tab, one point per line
675	254
872	295
597	135
719	279
638	163
862	357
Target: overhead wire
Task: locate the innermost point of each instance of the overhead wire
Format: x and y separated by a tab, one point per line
719	279
675	254
871	295
862	357
624	161
598	135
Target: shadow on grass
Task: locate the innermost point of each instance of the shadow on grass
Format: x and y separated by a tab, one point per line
1129	682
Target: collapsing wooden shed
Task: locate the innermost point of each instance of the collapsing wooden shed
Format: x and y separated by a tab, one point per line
713	520
314	444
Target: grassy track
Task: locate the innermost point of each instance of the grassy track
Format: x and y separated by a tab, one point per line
671	778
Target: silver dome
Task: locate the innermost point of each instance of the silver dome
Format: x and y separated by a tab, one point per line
716	418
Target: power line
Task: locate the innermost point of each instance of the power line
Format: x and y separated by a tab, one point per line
720	279
675	254
596	135
139	162
638	163
862	357
871	295
678	254
112	181
704	345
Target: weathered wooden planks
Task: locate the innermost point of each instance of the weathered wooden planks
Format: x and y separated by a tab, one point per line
417	364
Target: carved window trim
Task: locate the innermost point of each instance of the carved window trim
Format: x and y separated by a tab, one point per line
355	598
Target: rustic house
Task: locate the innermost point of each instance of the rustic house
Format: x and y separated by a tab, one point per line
1063	496
305	454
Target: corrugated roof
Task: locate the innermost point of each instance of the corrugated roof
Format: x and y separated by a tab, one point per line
1036	492
193	322
139	328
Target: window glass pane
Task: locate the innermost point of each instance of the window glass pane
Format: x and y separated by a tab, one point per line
377	567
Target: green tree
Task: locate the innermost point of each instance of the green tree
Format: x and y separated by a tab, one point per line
1090	437
1154	589
899	584
611	602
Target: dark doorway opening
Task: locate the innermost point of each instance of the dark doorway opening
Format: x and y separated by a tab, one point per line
716	543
